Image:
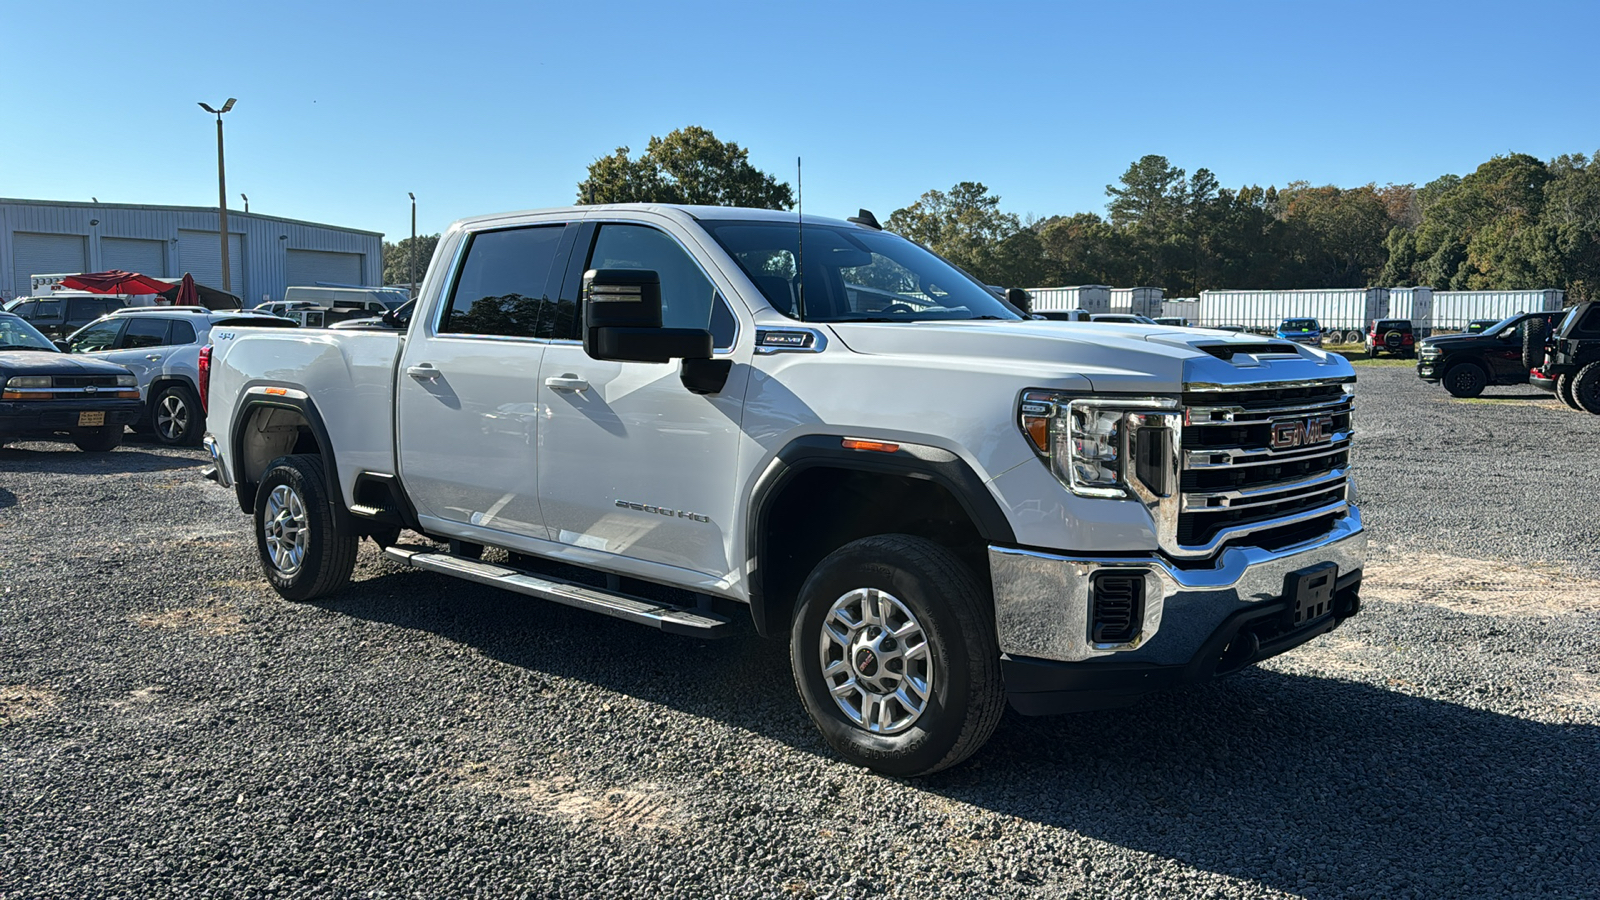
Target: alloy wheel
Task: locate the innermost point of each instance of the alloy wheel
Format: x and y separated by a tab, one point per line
876	661
284	527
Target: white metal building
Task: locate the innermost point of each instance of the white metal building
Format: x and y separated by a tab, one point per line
265	253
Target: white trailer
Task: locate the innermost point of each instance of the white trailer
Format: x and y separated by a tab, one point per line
1140	301
1452	310
1180	308
1091	298
1414	303
1343	310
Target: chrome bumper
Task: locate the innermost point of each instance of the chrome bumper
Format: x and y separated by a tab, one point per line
223	478
1042	600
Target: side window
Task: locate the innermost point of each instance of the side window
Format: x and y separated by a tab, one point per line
182	333
143	333
47	309
502	283
28	310
99	336
688	298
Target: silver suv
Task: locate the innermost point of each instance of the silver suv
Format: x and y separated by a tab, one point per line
161	345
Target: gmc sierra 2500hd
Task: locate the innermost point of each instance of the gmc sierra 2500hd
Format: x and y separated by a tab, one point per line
942	503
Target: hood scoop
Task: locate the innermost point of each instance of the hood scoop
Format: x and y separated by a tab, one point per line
1227	352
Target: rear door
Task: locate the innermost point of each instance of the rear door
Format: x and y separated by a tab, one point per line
467	394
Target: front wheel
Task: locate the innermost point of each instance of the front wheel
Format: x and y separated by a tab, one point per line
895	656
1465	380
176	417
100	440
302	550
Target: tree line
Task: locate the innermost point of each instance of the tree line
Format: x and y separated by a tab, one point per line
1515	222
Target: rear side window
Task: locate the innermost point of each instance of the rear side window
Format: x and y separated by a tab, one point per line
181	333
503	282
144	333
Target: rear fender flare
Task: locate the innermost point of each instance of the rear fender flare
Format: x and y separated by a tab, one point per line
299	402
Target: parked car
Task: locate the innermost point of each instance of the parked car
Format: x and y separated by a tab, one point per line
940	505
47	395
63	313
1569	358
161	346
1175	321
399	317
1301	331
1392	336
1122	318
1478	325
1467	363
1063	315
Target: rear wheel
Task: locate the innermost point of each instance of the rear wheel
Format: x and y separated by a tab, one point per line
303	552
895	656
1586	388
1564	391
176	418
1465	380
100	440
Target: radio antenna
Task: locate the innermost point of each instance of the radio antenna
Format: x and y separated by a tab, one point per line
800	239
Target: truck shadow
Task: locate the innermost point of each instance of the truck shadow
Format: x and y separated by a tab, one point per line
65	459
1316	786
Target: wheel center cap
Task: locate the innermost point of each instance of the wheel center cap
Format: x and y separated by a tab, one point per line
867	662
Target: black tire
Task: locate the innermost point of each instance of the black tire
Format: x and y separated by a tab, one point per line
1465	380
99	440
176	418
327	556
1586	388
967	697
1564	391
1533	335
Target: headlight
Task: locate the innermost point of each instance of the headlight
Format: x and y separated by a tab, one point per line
1097	445
127	381
29	381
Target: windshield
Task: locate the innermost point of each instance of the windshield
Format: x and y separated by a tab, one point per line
1299	325
15	334
854	275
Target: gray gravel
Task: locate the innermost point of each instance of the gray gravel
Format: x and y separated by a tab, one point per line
171	728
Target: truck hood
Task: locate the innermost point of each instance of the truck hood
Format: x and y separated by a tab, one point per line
49	362
1113	358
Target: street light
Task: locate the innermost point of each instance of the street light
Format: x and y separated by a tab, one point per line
246	202
222	192
413	242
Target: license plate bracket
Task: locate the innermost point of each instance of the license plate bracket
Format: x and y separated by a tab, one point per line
1309	592
91	419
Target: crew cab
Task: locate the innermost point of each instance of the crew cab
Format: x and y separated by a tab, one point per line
710	412
1468	363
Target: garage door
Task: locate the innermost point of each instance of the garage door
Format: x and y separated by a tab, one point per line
309	267
134	255
200	254
46	254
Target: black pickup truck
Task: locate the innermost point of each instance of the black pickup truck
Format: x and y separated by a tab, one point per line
1569	362
1468	363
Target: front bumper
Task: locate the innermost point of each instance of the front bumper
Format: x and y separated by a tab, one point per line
1429	368
1043	615
44	417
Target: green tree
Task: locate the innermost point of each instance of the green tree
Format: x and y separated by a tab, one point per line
397	258
687	166
964	225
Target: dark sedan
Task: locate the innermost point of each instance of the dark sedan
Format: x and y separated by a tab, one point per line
48	395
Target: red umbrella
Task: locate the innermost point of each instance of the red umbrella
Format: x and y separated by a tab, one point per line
115	281
188	295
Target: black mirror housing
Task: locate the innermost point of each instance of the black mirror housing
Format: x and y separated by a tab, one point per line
1021	299
63	346
622	320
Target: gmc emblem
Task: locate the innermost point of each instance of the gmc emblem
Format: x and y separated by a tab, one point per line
1290	433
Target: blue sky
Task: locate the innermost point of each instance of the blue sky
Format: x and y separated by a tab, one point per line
483	107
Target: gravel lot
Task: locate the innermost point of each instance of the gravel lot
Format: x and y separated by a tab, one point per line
169	727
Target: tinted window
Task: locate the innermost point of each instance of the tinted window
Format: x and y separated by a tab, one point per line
84	309
182	333
502	284
144	333
45	309
99	336
688	298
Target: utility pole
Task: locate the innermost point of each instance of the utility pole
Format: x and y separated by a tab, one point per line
413	242
222	193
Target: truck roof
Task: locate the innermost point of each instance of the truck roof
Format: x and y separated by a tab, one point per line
694	212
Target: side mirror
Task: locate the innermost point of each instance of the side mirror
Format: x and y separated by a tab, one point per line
63	346
400	316
622	320
1021	299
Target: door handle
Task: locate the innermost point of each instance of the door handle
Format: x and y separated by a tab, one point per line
423	372
566	383
154	357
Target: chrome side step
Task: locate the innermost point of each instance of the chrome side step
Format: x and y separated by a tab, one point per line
671	619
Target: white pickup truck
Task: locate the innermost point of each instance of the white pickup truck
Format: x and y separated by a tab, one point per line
695	413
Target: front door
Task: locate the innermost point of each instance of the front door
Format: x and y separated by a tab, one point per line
632	463
143	348
467	396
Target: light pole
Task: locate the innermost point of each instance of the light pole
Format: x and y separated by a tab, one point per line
222	192
413	242
246	202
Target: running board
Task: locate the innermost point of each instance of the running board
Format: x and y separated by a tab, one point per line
671	619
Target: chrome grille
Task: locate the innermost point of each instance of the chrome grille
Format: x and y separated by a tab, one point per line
1232	481
81	381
